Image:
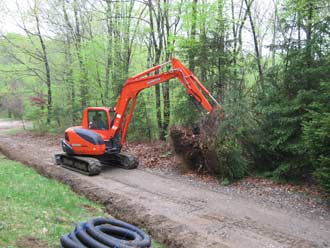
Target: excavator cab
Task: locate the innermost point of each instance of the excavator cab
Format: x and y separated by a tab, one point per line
97	120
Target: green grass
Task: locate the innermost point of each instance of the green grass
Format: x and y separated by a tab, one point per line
31	205
34	206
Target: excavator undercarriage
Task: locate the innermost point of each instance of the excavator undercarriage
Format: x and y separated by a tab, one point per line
92	166
85	165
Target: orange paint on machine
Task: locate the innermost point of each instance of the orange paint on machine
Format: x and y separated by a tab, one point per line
99	139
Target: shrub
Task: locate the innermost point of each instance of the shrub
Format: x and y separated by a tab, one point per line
233	146
232	164
316	135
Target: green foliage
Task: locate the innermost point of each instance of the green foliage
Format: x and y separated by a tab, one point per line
283	170
282	108
322	174
286	111
142	125
231	161
232	146
184	111
316	135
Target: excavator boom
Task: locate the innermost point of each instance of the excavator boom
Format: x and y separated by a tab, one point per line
134	85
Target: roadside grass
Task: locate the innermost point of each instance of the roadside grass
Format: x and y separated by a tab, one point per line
34	207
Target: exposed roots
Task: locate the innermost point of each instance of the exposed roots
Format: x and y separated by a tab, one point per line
197	149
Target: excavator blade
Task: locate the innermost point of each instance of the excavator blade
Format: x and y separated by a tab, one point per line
84	165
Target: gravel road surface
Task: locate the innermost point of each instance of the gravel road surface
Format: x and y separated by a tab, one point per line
179	213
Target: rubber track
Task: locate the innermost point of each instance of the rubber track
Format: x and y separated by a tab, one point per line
84	165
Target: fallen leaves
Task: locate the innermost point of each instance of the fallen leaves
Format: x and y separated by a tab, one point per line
155	154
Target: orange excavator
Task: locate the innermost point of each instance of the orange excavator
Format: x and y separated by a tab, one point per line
99	139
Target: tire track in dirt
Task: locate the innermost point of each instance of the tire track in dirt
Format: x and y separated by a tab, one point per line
233	226
247	225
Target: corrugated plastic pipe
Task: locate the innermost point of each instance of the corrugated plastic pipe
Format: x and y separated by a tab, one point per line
105	233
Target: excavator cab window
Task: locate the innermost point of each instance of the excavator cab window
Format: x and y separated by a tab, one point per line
97	119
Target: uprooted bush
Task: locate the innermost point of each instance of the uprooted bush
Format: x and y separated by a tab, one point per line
193	150
215	150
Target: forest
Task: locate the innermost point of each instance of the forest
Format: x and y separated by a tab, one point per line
266	62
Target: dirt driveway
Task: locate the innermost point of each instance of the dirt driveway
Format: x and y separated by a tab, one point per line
179	213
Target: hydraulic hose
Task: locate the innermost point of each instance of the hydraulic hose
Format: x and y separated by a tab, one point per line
105	233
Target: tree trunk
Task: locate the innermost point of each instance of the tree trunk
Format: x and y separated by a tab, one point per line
47	71
309	56
203	53
68	78
158	103
274	34
78	40
158	47
127	39
191	55
237	27
256	44
221	51
109	53
168	55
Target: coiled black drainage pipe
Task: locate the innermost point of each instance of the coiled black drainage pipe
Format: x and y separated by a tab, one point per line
105	233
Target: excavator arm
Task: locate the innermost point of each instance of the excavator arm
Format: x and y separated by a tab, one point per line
141	81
